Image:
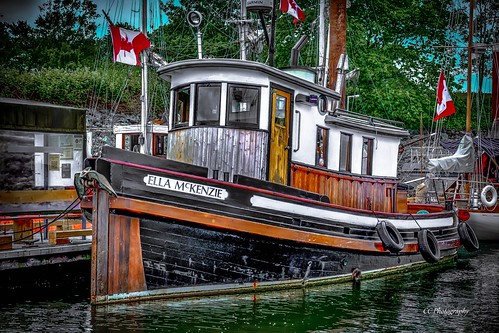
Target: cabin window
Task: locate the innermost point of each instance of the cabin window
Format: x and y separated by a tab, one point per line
208	104
243	106
280	111
321	147
182	106
346	152
367	156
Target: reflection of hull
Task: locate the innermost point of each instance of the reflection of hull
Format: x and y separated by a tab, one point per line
485	224
172	231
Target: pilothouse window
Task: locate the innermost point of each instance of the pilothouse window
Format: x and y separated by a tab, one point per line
208	104
182	106
243	104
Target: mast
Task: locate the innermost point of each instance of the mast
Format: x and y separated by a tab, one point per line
337	39
322	46
468	88
243	30
144	141
495	88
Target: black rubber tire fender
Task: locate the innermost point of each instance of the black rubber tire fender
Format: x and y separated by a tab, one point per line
428	246
468	237
390	236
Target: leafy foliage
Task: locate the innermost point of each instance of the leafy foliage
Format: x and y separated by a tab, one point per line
395	44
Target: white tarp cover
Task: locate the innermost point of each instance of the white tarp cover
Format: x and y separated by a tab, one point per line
463	159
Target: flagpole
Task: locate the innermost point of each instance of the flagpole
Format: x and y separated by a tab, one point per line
108	19
144	140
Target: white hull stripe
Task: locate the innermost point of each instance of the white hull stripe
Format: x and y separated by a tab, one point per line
345	217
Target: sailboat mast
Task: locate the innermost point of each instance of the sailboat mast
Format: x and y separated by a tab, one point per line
470	52
145	146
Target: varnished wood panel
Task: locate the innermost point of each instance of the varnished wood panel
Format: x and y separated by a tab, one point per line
125	268
356	192
100	220
228	150
279	138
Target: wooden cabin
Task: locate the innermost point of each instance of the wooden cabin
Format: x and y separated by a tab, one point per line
245	118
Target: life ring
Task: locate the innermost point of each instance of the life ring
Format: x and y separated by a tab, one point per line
483	196
468	237
428	246
390	236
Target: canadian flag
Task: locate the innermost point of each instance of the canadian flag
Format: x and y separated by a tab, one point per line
445	105
127	45
291	7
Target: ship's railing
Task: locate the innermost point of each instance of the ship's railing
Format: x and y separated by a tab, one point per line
464	190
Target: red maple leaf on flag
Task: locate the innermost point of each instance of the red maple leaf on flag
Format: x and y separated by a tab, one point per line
127	45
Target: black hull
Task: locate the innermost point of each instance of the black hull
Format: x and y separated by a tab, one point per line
177	254
173	232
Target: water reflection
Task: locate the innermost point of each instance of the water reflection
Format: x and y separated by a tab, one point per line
462	297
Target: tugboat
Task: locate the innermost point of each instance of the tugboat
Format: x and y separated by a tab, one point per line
267	184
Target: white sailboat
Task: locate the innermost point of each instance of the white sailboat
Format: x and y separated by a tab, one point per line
471	182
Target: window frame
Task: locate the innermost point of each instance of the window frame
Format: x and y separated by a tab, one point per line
366	167
185	123
345	155
196	108
325	145
239	124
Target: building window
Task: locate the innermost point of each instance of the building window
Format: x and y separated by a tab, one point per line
321	147
160	141
131	142
182	106
367	156
243	106
346	152
208	104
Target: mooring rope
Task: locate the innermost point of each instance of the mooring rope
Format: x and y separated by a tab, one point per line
43	227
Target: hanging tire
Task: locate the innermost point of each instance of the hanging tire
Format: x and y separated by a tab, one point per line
468	237
390	236
485	200
428	246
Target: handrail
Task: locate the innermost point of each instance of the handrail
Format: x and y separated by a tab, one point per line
299	130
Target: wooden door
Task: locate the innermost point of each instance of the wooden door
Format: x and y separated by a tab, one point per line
279	137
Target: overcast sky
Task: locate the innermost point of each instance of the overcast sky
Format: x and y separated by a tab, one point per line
19	10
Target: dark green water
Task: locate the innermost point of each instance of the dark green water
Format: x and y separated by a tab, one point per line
461	297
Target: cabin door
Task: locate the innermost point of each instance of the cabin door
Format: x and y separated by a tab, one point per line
279	137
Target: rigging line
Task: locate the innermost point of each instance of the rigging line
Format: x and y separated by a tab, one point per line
115	106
